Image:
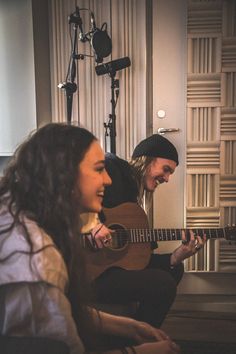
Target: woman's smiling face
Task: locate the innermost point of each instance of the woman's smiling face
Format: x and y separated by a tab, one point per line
92	179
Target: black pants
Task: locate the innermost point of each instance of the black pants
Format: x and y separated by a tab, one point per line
154	288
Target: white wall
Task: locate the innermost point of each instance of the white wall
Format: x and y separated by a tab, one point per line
17	78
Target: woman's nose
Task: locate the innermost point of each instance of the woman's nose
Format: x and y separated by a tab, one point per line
107	179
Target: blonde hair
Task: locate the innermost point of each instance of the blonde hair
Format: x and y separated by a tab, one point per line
139	167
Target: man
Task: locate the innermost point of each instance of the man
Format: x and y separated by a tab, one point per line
153	161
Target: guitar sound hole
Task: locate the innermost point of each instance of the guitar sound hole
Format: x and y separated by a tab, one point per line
119	237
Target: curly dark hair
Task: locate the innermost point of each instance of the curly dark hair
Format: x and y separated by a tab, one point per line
39	182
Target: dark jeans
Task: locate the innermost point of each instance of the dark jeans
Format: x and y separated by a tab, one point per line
154	288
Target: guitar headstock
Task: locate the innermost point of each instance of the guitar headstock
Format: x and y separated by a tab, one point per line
230	233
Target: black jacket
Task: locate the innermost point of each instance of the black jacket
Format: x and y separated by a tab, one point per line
123	188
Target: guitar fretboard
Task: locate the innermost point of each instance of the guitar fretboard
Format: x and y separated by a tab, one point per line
123	236
150	235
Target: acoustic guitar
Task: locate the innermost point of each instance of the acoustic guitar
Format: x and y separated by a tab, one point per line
130	247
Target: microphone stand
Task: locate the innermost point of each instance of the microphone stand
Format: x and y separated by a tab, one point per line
110	127
70	85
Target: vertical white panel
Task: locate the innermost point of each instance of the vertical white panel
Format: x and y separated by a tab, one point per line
17	88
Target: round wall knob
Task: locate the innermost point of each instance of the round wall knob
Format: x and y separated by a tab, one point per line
161	113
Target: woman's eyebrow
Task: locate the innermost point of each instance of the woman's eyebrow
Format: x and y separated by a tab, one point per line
100	162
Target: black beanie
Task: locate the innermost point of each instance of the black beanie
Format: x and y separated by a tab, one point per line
156	146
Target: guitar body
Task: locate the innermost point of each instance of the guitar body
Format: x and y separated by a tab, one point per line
127	255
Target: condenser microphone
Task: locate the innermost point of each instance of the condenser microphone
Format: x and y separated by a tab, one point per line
113	66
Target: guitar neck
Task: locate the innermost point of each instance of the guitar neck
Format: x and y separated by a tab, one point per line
150	235
154	235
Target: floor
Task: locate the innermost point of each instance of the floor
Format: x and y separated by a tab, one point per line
213	321
201	325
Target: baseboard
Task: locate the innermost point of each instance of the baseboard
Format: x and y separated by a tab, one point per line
208	283
214	303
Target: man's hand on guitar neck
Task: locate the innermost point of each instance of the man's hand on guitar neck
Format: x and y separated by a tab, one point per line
187	248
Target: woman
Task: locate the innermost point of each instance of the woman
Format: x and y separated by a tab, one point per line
58	173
